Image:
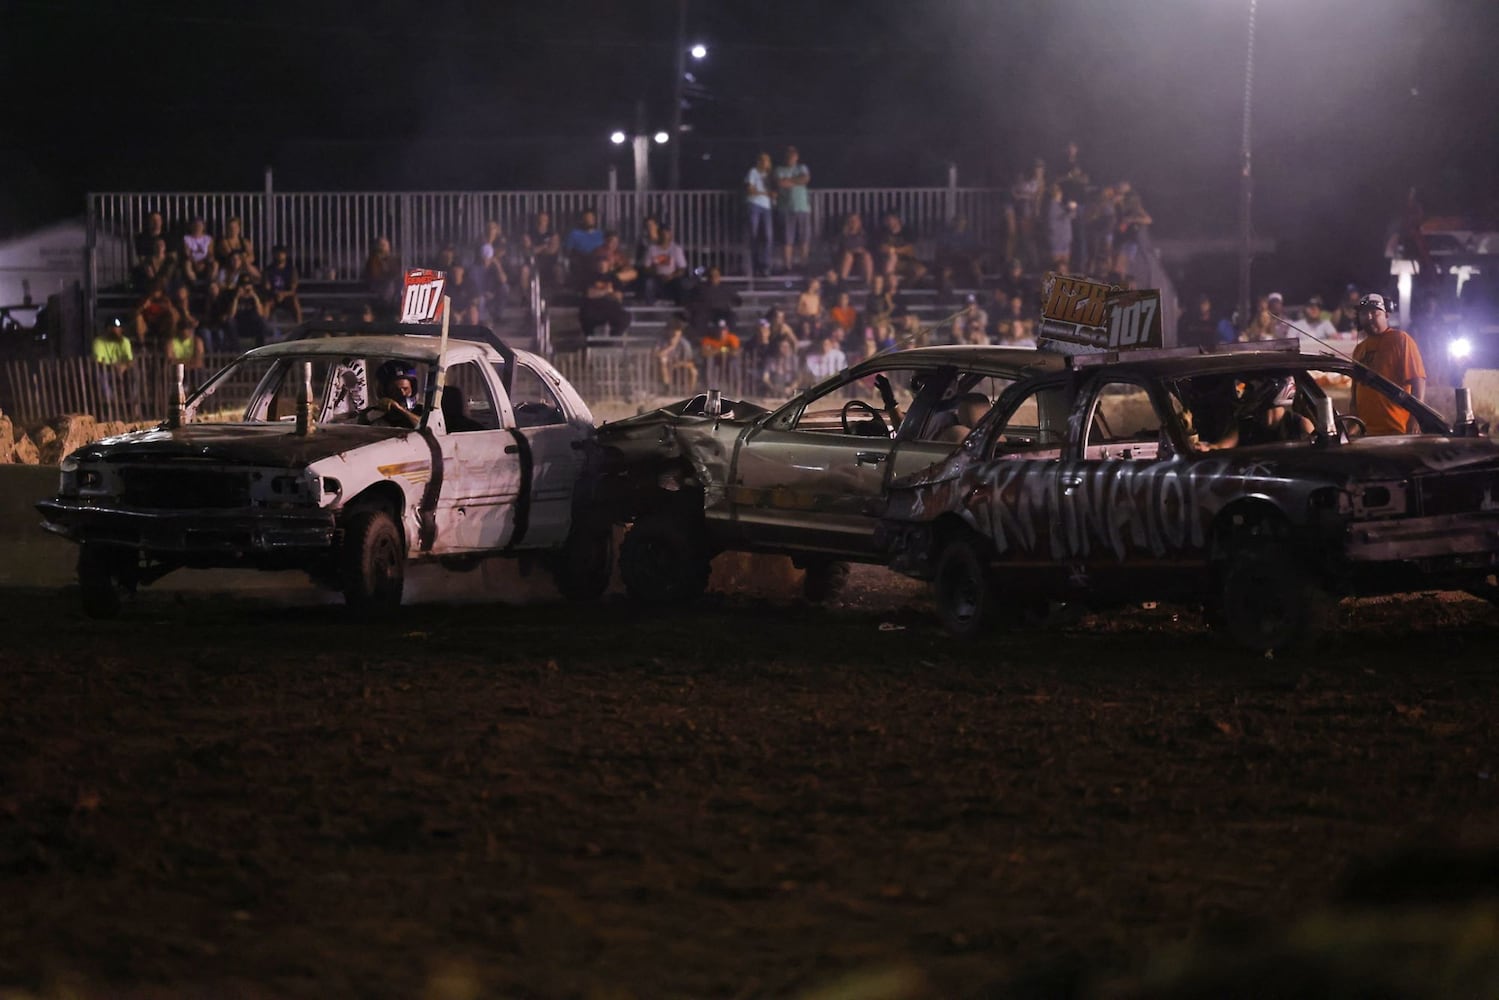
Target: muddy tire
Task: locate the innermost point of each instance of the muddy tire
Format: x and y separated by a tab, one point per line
372	563
968	603
98	583
1270	602
824	581
584	566
663	561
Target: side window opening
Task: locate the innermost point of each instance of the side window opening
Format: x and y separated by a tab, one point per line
1123	423
534	402
467	403
962	408
1037	423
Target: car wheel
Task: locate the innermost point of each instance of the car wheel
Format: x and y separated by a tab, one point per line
1270	602
582	569
824	581
98	583
662	561
372	564
966	598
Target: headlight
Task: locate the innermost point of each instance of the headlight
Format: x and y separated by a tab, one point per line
67	484
1459	348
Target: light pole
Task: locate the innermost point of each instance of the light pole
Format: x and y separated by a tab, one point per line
1246	177
699	52
640	145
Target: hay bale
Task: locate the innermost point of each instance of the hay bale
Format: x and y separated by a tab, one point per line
73	431
26	451
1483	386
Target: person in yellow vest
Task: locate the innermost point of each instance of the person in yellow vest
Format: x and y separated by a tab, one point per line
185	347
112	348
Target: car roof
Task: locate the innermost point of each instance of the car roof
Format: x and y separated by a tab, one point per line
1221	363
969	356
413	346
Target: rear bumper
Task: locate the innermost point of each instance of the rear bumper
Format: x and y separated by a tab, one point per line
190	532
1445	542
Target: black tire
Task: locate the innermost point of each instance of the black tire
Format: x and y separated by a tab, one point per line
98	582
824	581
584	566
963	589
663	561
1270	602
372	562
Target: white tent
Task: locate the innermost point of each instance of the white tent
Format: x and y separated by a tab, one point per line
42	262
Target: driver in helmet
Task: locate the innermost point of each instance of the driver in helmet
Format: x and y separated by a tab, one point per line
397	400
1266	416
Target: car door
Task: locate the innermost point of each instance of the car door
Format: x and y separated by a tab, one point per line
811	475
557	454
480	494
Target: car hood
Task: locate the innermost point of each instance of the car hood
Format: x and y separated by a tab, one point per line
1378	457
268	445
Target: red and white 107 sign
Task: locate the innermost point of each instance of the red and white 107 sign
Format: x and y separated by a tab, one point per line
421	297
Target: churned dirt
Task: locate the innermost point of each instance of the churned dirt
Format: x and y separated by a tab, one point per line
223	796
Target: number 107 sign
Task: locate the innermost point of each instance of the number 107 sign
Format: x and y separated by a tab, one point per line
1078	312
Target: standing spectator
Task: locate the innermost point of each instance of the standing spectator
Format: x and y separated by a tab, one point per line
675	356
234	241
1098	230
809	310
959	257
115	357
464	295
971	326
1074	181
712	301
827	360
1393	354
281	285
1315	328
1131	220
665	268
852	246
1026	194
145	240
155	315
757	201
580	245
1059	217
1345	317
197	253
897	253
794	206
603	301
185	347
247	313
382	275
542	246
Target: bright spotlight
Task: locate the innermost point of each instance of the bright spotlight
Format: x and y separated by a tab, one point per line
699	51
616	137
661	137
1460	348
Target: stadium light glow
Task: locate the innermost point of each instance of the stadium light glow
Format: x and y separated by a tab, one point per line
698	51
1460	348
617	137
661	138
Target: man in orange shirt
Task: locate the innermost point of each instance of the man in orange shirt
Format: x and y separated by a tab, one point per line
1393	354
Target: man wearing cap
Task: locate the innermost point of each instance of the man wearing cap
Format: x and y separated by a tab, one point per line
1276	302
971	326
1393	354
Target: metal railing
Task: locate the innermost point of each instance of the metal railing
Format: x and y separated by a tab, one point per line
43	389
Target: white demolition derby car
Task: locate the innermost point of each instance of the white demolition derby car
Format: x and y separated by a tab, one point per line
335	453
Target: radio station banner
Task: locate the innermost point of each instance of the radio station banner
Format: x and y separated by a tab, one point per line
1079	314
421	296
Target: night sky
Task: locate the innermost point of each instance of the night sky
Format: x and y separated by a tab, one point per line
1354	101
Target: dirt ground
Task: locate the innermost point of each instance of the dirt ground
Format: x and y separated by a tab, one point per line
226	795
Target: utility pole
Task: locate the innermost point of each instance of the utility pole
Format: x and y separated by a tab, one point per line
1246	178
674	176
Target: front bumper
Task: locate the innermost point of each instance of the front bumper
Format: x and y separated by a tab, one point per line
190	532
1444	542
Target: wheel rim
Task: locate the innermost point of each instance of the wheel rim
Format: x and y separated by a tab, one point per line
385	568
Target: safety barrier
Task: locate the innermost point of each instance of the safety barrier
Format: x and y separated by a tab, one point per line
44	388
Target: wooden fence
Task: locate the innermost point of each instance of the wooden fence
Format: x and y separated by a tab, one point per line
43	389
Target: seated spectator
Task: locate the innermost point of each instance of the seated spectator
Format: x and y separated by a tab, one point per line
620	264
247	312
464	295
1263	325
185	346
234	241
1200	329
720	341
852	247
896	250
780	329
760	345
712	301
1014	328
908	330
809	315
542	248
880	302
580	245
221	289
650	235
843	315
199	264
1345	316
113	349
383	277
863	343
155	316
151	266
491	277
971	326
1316	329
675	356
778	372
603	302
959	257
145	240
280	285
827	360
1014	282
663	268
